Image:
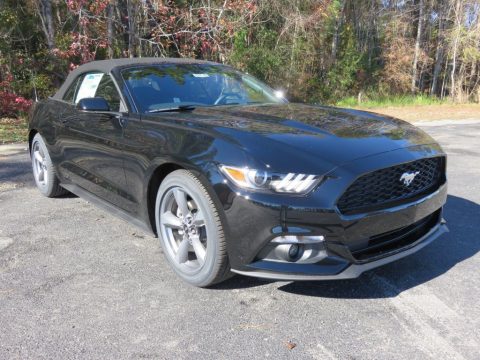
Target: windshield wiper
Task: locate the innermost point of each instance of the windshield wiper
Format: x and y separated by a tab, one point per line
172	109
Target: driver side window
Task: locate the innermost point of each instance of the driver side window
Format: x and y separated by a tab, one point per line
107	90
70	93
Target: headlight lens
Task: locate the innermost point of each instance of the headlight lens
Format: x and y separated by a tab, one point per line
263	180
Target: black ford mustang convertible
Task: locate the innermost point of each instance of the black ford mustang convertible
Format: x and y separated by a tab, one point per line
232	177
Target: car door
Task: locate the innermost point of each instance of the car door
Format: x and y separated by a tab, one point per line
92	142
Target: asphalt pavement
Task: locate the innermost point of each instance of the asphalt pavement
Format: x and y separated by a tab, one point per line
76	282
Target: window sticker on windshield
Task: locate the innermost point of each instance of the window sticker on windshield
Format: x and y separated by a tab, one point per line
89	86
201	75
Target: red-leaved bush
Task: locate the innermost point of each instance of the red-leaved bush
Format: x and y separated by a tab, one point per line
11	104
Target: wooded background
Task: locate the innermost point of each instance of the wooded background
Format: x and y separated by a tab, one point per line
316	50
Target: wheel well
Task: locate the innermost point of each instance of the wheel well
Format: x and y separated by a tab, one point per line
31	135
157	177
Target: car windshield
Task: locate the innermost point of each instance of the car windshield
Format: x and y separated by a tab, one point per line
173	86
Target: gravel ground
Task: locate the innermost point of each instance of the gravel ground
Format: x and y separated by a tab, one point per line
76	282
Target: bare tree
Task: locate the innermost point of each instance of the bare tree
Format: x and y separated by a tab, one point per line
338	27
456	40
440	49
132	24
110	16
417	45
44	8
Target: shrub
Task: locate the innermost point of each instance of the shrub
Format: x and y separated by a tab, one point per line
11	104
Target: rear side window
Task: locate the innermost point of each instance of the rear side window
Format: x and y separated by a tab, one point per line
70	93
98	85
89	85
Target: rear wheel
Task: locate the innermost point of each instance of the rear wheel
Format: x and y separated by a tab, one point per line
190	230
43	169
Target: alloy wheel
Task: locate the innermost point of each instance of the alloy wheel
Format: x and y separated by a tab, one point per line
40	169
184	230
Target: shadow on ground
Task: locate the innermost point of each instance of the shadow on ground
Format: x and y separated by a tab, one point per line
15	166
461	243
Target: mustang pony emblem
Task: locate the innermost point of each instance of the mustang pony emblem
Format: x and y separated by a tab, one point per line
407	177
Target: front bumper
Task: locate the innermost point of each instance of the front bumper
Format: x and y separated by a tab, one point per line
351	271
343	236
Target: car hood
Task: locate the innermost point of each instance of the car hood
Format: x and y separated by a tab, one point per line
285	133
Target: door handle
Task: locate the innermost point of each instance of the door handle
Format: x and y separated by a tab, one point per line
65	119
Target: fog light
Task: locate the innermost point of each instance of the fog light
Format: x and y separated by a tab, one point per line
300	249
293	251
304	249
288	252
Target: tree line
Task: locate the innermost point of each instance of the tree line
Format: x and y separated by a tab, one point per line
317	50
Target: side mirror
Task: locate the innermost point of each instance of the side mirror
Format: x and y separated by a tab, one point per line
93	104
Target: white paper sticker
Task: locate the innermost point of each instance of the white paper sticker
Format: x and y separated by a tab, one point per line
201	75
89	86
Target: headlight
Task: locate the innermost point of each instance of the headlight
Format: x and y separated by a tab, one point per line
263	180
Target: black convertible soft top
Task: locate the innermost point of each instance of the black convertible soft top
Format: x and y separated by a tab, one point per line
106	66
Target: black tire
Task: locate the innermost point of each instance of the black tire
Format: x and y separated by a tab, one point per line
215	265
43	170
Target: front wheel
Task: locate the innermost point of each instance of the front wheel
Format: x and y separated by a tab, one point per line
43	169
190	230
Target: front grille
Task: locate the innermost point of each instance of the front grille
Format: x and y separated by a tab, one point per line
385	244
384	188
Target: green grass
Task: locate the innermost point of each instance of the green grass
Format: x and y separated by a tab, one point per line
405	100
13	130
